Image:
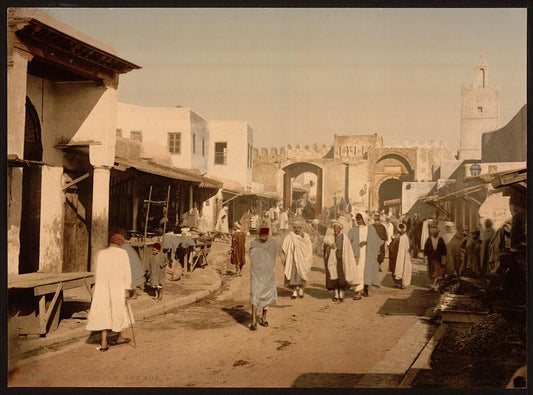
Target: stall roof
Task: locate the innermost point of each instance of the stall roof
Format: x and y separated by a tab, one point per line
169	172
15	161
454	194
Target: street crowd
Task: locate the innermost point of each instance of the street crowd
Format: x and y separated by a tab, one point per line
354	247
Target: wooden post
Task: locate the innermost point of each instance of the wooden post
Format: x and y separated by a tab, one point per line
147	214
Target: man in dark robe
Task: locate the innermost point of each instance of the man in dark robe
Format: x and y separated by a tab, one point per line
382	234
486	237
238	247
435	251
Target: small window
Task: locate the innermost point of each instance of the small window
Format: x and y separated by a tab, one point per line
203	147
193	143
174	143
136	135
119	132
480	109
221	153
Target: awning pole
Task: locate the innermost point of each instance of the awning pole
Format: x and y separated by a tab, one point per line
147	215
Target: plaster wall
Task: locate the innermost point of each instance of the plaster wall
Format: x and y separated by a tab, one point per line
14	207
412	191
429	157
495	167
237	135
359	190
16	103
51	228
448	167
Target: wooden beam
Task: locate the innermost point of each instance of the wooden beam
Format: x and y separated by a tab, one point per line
69	184
52	304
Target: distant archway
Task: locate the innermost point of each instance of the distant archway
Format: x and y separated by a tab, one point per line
294	170
390	196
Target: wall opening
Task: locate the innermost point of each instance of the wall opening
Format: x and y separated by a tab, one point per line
390	195
30	222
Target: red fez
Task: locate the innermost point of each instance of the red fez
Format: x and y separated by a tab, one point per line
117	239
263	231
157	246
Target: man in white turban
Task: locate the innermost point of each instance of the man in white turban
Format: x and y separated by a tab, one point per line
339	261
366	244
297	257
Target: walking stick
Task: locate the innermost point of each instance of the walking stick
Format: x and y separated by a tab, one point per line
128	307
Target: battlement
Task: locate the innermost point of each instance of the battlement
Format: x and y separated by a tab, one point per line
424	144
298	153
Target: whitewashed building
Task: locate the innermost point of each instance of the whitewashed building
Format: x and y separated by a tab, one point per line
61	111
183	132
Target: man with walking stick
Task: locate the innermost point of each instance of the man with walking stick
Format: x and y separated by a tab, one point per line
109	308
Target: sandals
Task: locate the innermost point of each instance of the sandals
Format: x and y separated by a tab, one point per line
102	349
357	297
253	327
293	296
263	323
335	299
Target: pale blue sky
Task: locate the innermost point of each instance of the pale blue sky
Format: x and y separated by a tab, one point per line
300	75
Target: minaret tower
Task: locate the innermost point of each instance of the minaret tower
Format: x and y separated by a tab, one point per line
480	112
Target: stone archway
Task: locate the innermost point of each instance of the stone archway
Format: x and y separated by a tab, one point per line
293	171
390	165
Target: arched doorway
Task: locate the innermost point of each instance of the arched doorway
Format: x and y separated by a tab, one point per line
390	195
31	194
390	170
295	170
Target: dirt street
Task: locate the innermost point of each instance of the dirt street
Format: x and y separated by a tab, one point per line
311	342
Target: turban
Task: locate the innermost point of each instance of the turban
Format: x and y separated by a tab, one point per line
117	239
333	223
157	246
263	231
401	226
237	225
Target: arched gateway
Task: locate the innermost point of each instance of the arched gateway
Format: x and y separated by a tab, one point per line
294	170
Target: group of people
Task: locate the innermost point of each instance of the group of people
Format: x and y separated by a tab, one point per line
351	259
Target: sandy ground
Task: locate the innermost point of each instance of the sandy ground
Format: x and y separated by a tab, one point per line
311	342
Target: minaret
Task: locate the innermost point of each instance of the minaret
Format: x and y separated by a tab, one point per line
480	112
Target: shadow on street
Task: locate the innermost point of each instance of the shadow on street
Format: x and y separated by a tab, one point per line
239	314
346	380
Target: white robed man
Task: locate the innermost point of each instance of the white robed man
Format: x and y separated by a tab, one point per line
297	257
109	310
339	261
263	291
401	259
366	245
284	220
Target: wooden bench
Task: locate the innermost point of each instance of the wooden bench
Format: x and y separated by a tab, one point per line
47	289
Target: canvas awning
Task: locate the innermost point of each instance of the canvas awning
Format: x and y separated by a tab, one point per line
169	172
455	194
